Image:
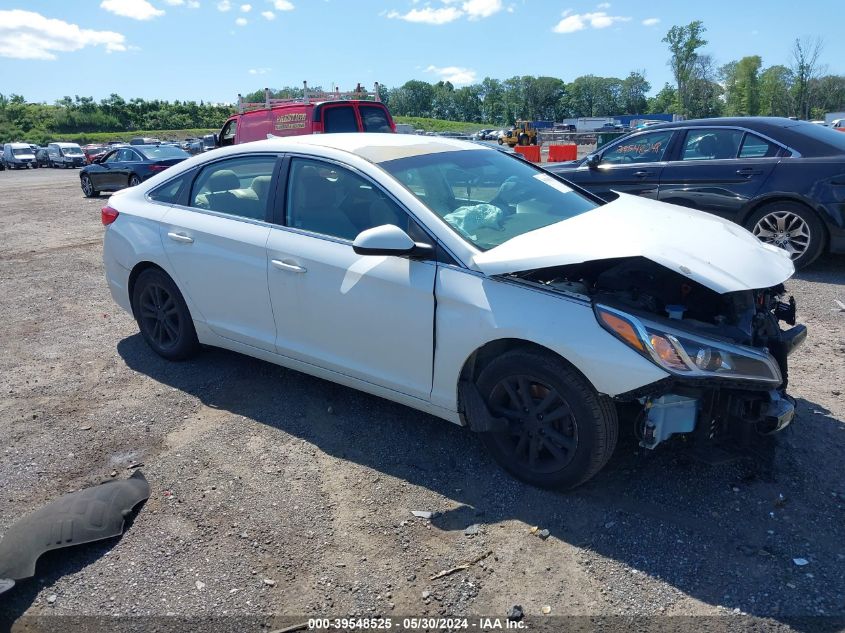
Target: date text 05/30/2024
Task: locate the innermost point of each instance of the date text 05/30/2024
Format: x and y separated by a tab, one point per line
412	624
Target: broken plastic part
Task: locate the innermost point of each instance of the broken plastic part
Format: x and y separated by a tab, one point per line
85	516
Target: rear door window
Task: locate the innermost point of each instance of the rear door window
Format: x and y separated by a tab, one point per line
711	144
238	186
374	119
340	119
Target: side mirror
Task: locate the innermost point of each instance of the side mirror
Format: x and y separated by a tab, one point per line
388	239
593	161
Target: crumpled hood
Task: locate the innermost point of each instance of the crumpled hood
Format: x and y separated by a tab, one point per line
709	250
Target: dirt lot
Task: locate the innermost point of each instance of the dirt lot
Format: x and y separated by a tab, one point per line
278	494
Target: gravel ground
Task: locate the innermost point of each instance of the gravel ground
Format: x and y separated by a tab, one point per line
278	494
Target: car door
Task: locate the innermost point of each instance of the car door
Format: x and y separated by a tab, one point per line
631	165
102	174
126	163
216	246
718	170
369	317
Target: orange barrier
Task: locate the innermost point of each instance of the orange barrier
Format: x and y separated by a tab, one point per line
558	153
531	152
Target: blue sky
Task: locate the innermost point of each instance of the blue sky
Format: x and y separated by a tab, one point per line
212	49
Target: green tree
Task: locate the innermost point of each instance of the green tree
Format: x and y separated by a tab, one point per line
805	68
776	91
684	42
742	86
635	89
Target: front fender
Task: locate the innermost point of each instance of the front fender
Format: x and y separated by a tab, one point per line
473	310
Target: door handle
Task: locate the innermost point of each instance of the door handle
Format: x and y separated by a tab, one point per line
289	267
643	174
748	171
180	237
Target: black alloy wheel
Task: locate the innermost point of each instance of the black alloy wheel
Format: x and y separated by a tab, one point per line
162	316
560	432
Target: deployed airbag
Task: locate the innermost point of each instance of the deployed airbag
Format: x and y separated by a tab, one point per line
80	517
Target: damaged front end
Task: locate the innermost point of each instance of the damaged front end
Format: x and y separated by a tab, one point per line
725	353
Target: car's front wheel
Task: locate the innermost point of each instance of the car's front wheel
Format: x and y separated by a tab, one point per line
792	227
88	187
560	431
162	315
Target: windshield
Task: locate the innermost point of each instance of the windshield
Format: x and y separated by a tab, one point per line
72	151
22	152
158	152
485	196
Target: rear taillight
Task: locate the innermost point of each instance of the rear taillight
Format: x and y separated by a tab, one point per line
108	215
158	167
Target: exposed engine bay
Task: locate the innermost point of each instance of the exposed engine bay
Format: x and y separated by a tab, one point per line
712	409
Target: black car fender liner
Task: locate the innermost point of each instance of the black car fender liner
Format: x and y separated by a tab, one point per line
88	515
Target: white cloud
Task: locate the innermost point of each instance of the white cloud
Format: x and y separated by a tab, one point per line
573	22
603	5
30	35
427	15
259	71
175	3
246	8
479	9
135	9
651	21
268	15
283	5
453	74
224	5
193	4
470	9
241	22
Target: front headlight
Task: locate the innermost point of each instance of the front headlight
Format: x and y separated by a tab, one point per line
686	354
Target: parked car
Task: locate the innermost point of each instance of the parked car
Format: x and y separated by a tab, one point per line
128	167
457	280
144	140
42	158
93	151
316	113
777	177
18	156
65	155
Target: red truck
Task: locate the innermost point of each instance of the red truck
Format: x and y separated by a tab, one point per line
314	113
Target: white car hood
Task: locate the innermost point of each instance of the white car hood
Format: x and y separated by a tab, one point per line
710	250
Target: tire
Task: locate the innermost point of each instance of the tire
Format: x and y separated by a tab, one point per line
88	187
571	436
162	316
792	226
134	181
501	142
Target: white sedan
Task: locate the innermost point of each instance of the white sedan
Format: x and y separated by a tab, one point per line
464	282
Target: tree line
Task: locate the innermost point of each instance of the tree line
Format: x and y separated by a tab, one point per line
702	88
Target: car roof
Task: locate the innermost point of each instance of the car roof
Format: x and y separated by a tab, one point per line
785	131
374	147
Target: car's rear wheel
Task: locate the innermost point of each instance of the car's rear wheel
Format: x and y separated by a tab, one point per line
162	315
560	431
134	181
88	187
792	227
